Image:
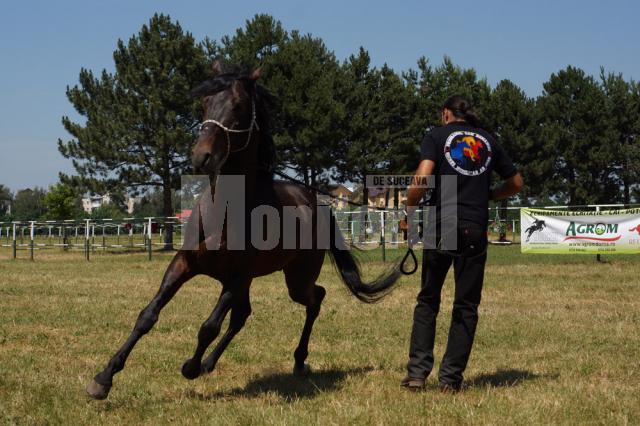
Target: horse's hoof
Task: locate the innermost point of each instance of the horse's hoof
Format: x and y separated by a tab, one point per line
301	371
97	391
191	369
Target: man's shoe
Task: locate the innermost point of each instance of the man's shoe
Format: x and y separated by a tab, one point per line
450	387
412	383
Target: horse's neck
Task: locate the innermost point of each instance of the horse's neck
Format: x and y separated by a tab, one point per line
245	163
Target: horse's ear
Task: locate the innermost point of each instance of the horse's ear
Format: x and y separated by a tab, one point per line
256	74
216	67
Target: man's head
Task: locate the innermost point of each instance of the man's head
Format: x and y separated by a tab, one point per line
457	108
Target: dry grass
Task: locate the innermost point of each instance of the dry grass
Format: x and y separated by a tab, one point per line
557	342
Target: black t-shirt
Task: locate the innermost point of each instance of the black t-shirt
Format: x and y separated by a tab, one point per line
470	154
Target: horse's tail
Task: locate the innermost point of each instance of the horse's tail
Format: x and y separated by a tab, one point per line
349	270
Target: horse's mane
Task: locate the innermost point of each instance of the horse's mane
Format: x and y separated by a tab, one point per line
263	100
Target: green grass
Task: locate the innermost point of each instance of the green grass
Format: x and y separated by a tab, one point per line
557	342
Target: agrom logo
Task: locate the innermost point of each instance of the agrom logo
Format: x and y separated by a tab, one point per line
592	231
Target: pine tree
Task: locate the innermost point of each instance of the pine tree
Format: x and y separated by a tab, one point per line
255	44
304	77
572	120
635	163
510	117
366	145
140	120
624	115
436	84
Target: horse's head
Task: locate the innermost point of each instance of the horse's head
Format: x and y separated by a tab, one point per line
229	100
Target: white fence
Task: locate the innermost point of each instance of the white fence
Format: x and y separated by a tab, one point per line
376	228
89	235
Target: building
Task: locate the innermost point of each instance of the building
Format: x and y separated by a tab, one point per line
131	203
340	196
95	201
378	196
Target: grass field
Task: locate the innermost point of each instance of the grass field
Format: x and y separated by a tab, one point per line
558	342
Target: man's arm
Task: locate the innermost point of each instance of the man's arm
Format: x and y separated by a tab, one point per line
510	186
415	193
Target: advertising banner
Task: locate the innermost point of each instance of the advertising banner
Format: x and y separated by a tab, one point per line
575	232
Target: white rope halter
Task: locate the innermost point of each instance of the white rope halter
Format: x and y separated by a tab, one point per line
227	130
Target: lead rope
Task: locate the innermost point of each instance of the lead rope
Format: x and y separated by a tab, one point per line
404	260
409	253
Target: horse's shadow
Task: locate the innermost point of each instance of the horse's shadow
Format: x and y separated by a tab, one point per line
289	387
286	385
503	378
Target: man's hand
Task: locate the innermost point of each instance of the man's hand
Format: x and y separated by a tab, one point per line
415	193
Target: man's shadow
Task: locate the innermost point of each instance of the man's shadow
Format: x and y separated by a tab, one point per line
287	386
504	378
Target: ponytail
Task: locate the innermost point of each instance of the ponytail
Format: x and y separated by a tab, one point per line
462	109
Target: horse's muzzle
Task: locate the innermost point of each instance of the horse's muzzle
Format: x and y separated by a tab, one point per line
202	162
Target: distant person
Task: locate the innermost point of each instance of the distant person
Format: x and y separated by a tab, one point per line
462	149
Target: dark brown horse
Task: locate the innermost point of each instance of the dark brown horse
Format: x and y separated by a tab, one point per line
235	140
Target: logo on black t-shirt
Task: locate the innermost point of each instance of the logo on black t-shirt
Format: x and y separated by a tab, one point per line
468	153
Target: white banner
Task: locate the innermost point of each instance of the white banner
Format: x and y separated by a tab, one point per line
570	232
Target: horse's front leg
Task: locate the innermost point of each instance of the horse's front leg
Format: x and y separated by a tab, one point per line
239	313
209	330
234	292
179	271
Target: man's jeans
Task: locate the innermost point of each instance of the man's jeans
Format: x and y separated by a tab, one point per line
468	265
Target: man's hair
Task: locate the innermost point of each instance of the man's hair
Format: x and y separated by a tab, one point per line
463	109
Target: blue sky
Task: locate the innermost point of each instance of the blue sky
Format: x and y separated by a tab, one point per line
43	45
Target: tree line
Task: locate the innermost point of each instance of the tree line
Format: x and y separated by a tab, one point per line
339	120
62	201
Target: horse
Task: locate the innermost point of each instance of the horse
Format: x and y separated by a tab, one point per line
235	140
538	225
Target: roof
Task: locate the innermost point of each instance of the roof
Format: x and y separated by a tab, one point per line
376	192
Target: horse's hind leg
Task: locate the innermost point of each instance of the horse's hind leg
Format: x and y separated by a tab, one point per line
301	276
177	274
232	294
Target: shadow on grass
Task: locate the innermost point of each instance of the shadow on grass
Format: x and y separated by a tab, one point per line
504	378
286	385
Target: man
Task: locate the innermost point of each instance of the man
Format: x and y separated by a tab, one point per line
462	149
